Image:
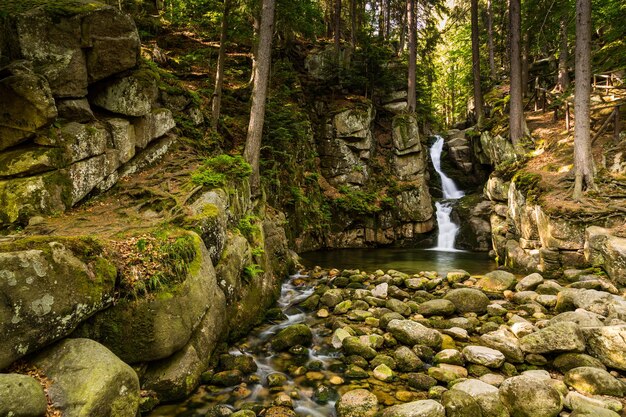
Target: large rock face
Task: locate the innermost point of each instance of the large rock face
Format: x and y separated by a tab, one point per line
48	290
89	380
57	53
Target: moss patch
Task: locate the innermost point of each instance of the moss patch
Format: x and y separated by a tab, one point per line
53	7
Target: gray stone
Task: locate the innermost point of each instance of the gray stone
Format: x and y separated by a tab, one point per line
78	141
591	411
568	361
608	344
576	401
76	364
526	396
529	282
483	356
130	96
75	109
487	397
593	381
86	174
438	307
559	337
47	291
412	333
581	317
421	408
405	132
496	281
468	300
357	403
460	404
153	125
603	248
407	360
27	105
353	345
21	396
123	138
332	297
506	342
296	334
26	161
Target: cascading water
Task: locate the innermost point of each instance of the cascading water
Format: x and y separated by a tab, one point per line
447	228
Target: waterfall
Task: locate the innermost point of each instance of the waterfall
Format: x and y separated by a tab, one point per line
447	229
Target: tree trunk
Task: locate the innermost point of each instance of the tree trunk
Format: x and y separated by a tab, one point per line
337	28
259	94
411	98
219	75
525	62
492	60
478	95
403	29
387	19
562	82
583	158
381	19
516	114
353	23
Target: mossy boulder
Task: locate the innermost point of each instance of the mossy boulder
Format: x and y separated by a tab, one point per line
594	381
526	396
89	380
357	403
155	327
559	337
21	396
27	105
468	300
132	95
496	281
29	161
296	334
49	286
406	137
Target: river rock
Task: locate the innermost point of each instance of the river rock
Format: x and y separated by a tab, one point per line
422	408
383	373
353	345
47	291
529	282
603	248
412	333
332	297
483	356
243	363
525	396
296	334
460	404
559	337
591	411
439	307
21	396
496	281
576	401
357	403
487	397
468	300
593	381
407	360
568	361
76	364
506	342
608	344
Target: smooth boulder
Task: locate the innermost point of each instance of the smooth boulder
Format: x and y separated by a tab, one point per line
21	396
527	396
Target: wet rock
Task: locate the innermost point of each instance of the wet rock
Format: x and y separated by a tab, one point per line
383	373
526	396
279	411
529	282
356	372
407	360
608	344
576	401
74	364
227	378
411	333
388	317
324	394
568	361
276	379
353	345
487	397
496	281
243	413
450	356
468	300
439	307
591	411
357	403
422	408
380	291
593	381
457	275
398	307
559	337
447	373
338	336
332	297
21	396
483	356
343	307
460	404
384	359
421	382
296	334
506	342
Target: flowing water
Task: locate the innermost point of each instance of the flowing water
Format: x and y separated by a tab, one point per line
447	229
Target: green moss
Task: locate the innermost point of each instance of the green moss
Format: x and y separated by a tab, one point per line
60	8
86	248
528	184
217	171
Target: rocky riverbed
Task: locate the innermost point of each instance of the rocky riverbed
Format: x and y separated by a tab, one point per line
355	344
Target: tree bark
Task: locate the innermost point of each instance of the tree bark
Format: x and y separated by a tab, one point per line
337	28
252	149
478	95
387	19
516	114
562	82
583	158
403	30
216	102
411	93
525	62
353	23
492	60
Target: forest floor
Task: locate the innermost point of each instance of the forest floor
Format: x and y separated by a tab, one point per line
553	160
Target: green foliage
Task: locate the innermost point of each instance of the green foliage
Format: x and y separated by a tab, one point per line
257	252
528	184
252	271
357	201
217	171
248	226
61	8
